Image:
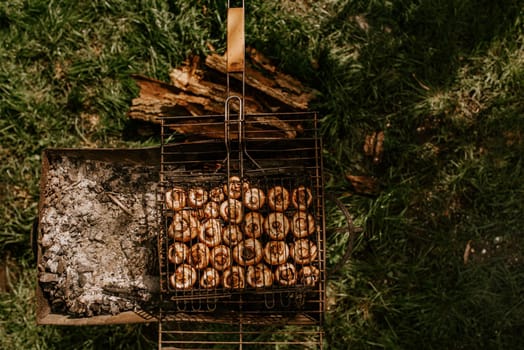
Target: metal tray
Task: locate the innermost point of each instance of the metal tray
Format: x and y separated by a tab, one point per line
140	165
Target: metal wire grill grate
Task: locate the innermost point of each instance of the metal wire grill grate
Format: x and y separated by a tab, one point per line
257	159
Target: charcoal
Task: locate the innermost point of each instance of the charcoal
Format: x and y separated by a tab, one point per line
94	226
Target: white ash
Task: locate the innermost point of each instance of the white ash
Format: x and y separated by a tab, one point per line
98	227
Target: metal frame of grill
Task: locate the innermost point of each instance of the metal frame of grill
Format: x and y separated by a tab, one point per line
263	158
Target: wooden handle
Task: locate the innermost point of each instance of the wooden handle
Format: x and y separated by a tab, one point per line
235	39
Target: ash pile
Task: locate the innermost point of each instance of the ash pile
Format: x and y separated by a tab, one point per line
97	236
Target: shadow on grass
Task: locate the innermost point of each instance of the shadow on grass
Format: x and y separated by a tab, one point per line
378	58
441	78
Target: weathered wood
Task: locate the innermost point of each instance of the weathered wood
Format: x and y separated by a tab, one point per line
196	92
261	60
158	99
185	79
282	87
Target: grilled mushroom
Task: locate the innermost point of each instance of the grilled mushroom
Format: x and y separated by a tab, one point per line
248	252
302	224
308	275
184	277
175	198
301	197
303	251
220	257
211	210
234	277
232	235
254	198
216	194
199	256
184	227
210	278
259	276
276	225
197	197
211	234
276	252
278	198
286	274
231	210
177	253
253	224
234	188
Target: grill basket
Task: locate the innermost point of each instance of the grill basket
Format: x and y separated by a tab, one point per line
249	155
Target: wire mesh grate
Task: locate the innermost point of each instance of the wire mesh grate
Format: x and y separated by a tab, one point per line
242	239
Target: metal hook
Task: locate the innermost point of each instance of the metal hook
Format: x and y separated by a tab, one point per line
211	305
178	302
289	295
267	303
193	305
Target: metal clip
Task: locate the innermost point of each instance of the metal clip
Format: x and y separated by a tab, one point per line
211	305
288	298
178	306
269	305
196	305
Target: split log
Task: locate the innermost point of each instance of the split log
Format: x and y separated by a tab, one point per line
196	92
188	80
280	86
161	100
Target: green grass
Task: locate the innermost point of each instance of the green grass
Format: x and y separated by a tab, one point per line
442	79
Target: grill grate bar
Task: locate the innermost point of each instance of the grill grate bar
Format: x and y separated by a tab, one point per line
217	342
239	336
262	126
207	332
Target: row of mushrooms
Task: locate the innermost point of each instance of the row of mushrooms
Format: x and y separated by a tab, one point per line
236	235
